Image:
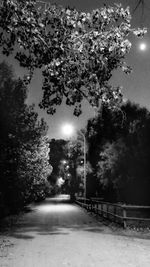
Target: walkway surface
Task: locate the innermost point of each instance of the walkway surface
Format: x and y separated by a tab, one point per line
58	234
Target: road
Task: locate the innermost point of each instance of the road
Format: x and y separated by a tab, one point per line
58	234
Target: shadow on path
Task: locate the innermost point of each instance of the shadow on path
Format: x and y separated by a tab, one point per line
57	216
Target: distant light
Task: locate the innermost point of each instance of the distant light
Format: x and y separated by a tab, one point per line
67	129
60	181
143	46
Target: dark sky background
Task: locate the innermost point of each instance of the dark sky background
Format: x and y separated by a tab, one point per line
136	86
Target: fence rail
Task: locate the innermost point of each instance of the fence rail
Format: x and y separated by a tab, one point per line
119	213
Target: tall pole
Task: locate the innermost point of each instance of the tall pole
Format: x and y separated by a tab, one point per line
84	139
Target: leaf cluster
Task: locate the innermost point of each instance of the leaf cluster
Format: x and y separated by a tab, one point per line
24	148
77	51
119	153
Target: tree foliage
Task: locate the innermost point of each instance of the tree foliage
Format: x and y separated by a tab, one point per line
121	158
57	154
77	51
24	148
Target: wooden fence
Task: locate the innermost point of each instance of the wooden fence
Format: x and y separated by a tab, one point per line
119	213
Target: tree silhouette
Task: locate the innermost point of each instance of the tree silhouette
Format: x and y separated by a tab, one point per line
24	148
77	51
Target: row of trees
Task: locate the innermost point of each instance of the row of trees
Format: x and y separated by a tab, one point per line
78	53
24	147
57	156
66	159
119	153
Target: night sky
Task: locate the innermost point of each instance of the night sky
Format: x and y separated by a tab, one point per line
136	86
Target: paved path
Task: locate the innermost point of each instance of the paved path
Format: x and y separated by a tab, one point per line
58	234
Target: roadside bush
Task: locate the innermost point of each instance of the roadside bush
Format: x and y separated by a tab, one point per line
24	147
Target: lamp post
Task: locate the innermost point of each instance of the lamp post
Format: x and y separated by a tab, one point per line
84	140
68	130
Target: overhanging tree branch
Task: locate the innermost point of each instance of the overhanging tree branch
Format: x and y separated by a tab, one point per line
75	46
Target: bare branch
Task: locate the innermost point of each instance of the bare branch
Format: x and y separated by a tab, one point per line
140	2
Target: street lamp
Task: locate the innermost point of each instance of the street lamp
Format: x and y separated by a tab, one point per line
64	161
84	140
68	130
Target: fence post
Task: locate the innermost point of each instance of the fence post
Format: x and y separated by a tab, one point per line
124	217
88	204
84	203
102	209
107	209
115	213
91	205
95	207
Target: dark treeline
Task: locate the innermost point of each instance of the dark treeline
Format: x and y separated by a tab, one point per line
119	153
24	147
58	153
66	159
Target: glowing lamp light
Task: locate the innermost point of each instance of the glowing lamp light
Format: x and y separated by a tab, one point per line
143	46
67	129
